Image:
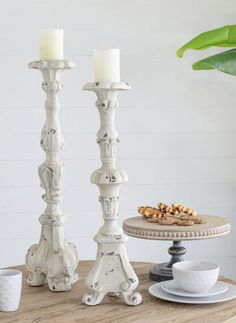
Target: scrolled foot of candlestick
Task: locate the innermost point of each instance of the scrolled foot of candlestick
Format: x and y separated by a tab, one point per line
62	283
132	298
93	299
55	267
36	278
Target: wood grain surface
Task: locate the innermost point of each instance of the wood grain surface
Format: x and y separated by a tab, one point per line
38	304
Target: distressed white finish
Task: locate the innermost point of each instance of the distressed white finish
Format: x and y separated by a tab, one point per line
53	260
112	272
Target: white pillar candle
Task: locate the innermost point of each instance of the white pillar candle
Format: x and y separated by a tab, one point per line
106	65
51	44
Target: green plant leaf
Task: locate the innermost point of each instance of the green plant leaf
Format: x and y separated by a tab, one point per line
221	37
224	62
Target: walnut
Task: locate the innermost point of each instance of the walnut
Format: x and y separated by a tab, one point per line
178	206
141	210
147	213
167	221
199	220
185	222
172	211
161	206
188	211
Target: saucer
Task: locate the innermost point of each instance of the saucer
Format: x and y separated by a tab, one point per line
171	287
156	291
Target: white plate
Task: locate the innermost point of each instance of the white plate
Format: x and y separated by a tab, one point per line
171	287
156	291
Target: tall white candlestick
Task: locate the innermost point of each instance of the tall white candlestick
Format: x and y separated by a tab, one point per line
53	260
106	65
51	44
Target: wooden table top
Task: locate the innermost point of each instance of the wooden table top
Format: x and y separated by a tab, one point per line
214	227
38	304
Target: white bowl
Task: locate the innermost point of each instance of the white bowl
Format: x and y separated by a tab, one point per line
195	276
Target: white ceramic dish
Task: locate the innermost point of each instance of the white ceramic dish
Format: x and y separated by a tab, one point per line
171	287
156	291
195	276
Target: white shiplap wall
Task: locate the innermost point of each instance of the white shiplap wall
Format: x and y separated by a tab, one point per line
177	126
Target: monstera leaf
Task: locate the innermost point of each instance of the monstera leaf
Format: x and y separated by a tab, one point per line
224	62
222	37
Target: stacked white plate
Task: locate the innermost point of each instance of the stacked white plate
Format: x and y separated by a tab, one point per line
169	291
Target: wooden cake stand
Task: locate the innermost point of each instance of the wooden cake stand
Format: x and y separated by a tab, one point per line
139	227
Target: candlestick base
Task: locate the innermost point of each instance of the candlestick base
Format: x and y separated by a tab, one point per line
112	273
47	264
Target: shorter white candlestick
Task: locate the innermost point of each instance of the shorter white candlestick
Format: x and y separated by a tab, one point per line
106	65
111	273
51	46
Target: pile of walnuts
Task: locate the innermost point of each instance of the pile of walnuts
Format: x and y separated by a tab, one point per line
170	214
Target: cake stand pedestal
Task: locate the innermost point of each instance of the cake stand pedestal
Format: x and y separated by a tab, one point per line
139	227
